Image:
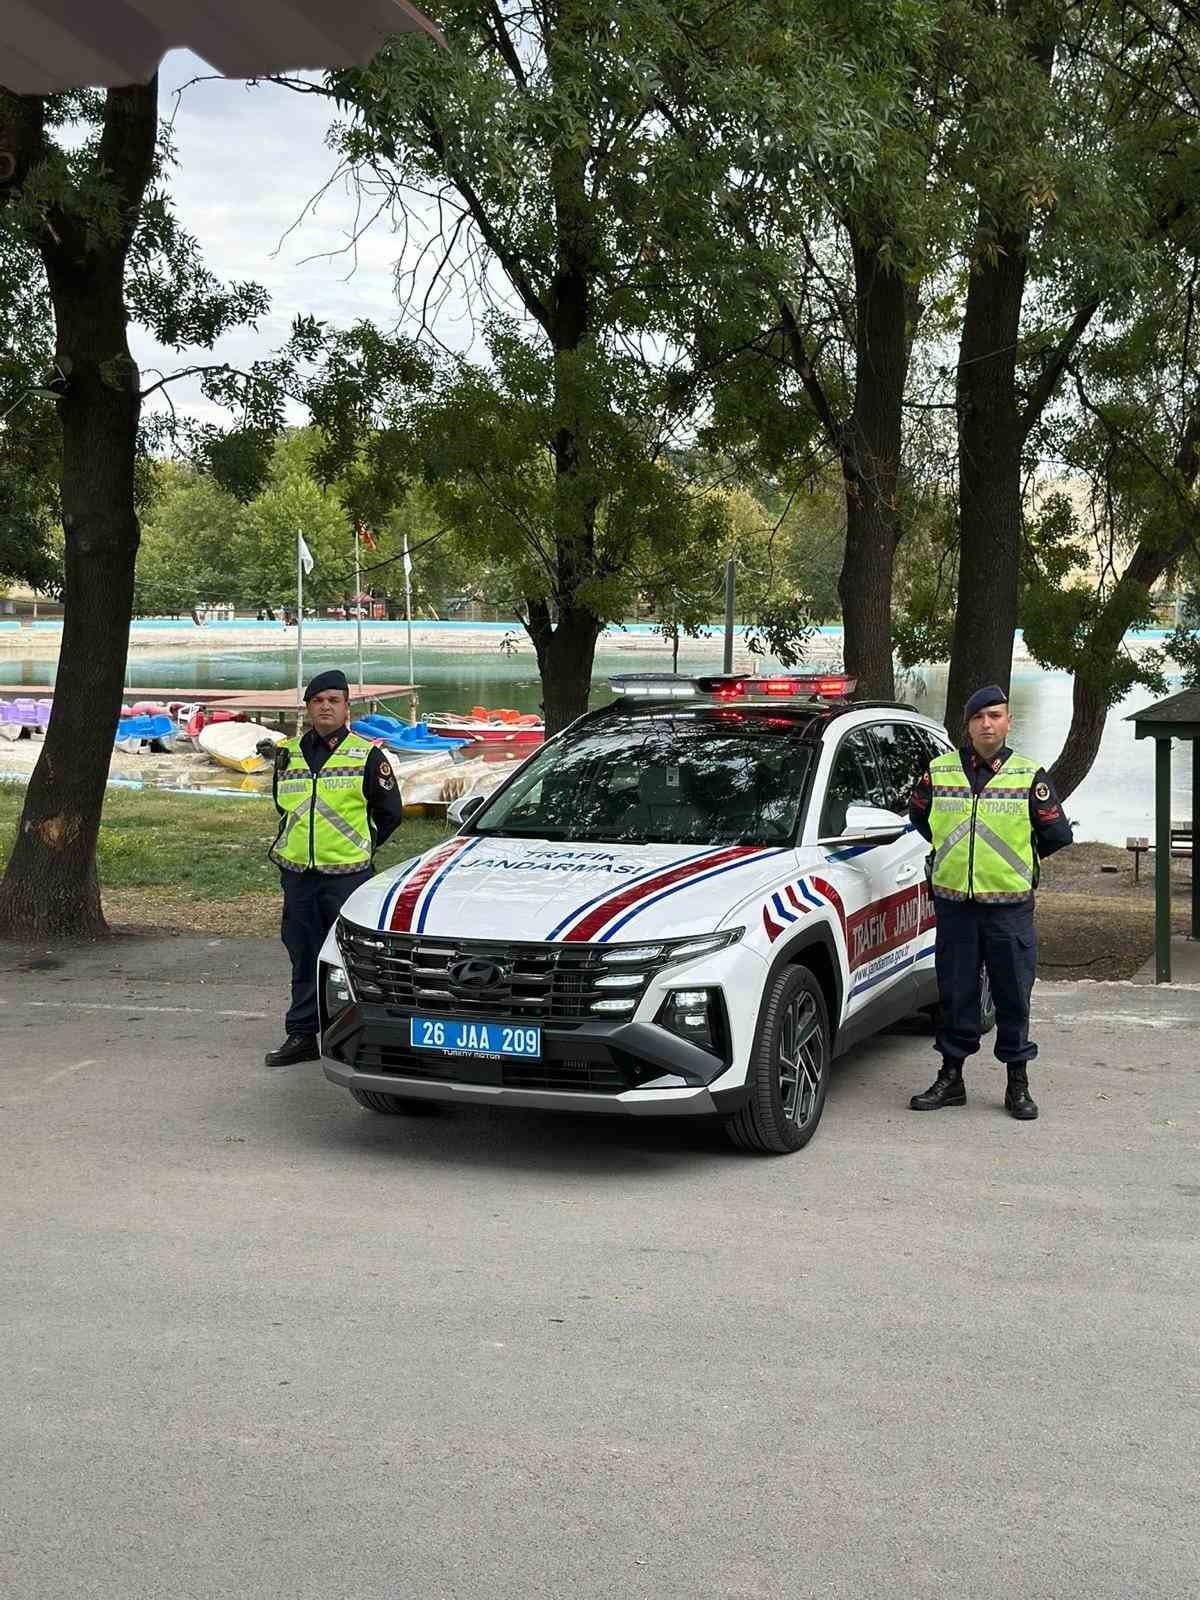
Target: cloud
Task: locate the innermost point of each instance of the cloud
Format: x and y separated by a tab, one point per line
251	159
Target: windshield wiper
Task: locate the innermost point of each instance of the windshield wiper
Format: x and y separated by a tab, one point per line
521	833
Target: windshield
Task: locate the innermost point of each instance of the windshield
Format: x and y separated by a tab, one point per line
675	779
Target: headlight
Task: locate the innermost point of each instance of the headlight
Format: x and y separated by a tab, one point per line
338	993
697	1015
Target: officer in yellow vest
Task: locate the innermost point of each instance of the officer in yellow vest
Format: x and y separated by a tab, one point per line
338	800
990	816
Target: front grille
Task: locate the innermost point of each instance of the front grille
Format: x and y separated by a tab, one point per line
584	1077
538	982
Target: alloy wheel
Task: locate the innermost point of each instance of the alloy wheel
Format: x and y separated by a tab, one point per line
801	1058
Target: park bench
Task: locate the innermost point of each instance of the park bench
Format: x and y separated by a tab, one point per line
1181	845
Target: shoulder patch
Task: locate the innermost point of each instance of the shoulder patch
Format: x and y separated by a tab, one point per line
1041	791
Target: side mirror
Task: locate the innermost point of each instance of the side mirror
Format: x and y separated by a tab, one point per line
460	811
869	825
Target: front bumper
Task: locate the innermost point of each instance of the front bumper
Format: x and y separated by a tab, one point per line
613	1068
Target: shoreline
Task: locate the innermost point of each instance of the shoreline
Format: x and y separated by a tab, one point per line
154	637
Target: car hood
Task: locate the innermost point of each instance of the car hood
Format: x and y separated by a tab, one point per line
474	887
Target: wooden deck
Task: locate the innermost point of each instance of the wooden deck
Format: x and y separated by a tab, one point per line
278	701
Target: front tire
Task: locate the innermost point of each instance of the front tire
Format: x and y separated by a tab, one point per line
390	1105
789	1068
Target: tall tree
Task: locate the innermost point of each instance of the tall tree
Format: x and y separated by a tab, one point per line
90	217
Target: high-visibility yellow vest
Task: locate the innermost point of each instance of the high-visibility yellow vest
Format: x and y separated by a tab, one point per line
324	823
982	845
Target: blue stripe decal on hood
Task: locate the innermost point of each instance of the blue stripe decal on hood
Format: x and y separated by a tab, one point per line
623	883
399	883
688	883
436	884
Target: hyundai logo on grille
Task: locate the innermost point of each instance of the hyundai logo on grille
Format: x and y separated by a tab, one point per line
476	973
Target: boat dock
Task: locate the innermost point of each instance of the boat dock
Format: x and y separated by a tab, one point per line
276	704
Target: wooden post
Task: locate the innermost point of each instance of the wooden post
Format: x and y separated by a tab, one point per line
1195	838
1162	861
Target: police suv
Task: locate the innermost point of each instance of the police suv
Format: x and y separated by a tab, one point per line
687	903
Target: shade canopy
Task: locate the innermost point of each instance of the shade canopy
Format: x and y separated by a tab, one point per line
1177	717
50	45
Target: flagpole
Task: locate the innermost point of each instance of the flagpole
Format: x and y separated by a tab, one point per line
358	606
299	631
412	690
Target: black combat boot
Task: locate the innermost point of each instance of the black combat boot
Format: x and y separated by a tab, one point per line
947	1089
1018	1102
296	1047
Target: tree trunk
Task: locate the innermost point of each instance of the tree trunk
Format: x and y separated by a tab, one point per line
1090	699
871	470
566	652
50	888
990	444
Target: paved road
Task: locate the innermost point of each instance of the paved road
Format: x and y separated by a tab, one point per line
259	1342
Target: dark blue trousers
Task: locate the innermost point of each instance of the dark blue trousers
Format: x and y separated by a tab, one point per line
1002	939
311	902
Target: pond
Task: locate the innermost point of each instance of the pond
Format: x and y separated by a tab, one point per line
1115	801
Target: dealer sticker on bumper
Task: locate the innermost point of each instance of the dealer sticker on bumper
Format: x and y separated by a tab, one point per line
450	1037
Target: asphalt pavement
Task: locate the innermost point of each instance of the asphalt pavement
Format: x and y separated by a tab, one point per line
258	1342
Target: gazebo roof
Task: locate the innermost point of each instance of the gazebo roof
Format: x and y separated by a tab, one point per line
1176	717
49	45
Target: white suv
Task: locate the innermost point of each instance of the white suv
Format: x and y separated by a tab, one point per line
687	903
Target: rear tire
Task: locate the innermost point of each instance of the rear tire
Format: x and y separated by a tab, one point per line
391	1105
788	1076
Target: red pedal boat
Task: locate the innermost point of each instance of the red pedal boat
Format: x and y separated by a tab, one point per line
501	726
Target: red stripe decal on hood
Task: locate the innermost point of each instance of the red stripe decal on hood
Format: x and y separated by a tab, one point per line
615	904
406	900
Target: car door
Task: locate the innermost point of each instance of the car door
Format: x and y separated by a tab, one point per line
902	754
865	874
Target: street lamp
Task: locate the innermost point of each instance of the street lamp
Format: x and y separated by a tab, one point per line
52	387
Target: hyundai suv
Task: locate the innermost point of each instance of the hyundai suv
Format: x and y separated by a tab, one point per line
687	903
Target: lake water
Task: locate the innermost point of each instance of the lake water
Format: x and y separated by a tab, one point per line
1116	800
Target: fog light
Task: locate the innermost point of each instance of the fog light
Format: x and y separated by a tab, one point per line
338	993
696	1015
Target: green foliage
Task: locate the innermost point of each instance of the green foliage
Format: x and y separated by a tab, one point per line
208	849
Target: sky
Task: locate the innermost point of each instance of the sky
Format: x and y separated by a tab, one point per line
250	158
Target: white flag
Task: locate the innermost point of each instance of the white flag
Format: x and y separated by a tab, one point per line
306	560
407	559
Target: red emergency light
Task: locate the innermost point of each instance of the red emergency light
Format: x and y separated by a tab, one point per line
825	686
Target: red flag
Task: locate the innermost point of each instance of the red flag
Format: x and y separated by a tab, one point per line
368	538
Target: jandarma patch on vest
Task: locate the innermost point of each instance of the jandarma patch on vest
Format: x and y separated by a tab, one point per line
1042	791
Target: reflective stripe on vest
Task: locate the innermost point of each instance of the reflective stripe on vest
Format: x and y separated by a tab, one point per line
982	845
325	822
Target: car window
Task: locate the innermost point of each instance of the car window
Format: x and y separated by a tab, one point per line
934	747
903	757
853	781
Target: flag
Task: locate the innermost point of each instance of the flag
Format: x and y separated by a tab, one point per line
368	538
407	560
306	560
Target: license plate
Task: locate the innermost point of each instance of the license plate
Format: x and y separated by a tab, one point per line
450	1037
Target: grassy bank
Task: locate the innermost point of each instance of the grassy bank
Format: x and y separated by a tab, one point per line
180	861
183	861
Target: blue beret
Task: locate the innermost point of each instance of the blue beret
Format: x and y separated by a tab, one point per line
326	680
993	695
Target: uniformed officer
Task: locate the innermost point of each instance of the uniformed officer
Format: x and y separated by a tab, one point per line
990	815
338	800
